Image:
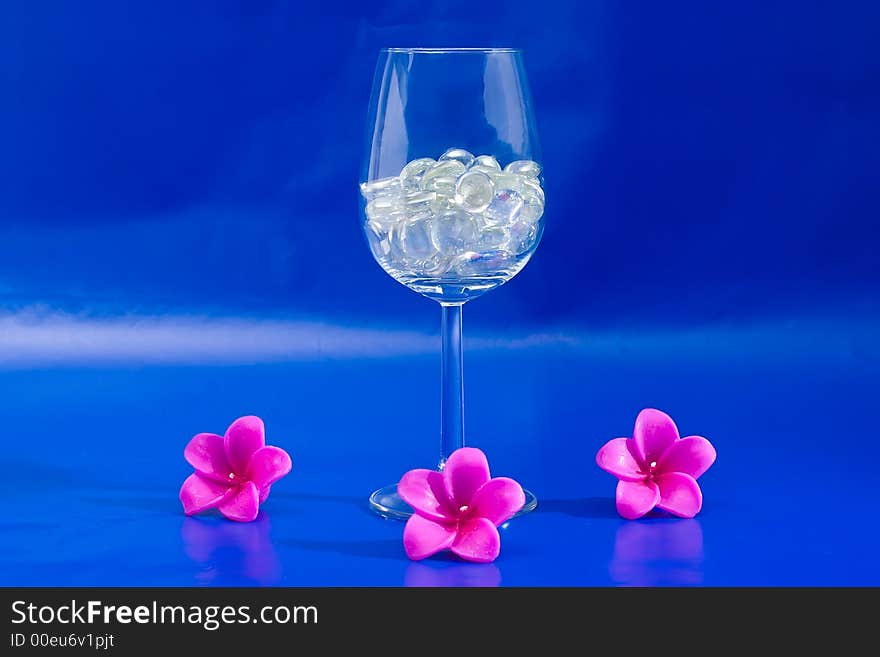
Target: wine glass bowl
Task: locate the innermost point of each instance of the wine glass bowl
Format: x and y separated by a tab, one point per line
455	227
452	189
452	194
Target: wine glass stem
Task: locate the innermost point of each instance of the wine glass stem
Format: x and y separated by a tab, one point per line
451	382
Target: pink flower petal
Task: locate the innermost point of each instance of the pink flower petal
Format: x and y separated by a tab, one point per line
199	493
654	433
425	491
477	540
206	453
679	494
692	455
243	505
243	437
636	498
465	472
616	457
264	493
267	465
423	537
497	500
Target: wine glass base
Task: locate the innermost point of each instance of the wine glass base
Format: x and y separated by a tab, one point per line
388	504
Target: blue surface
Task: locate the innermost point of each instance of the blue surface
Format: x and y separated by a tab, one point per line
179	245
92	460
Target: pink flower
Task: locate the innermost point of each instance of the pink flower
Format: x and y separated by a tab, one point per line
233	472
656	468
459	508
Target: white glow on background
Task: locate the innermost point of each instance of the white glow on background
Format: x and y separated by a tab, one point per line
32	337
37	337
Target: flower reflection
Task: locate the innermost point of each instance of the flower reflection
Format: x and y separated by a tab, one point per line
659	552
436	573
231	553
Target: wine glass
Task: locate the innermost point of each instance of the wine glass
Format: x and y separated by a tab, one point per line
452	197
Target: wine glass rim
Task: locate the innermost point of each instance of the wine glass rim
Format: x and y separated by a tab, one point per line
445	51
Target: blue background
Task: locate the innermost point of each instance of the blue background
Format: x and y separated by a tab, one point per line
179	246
